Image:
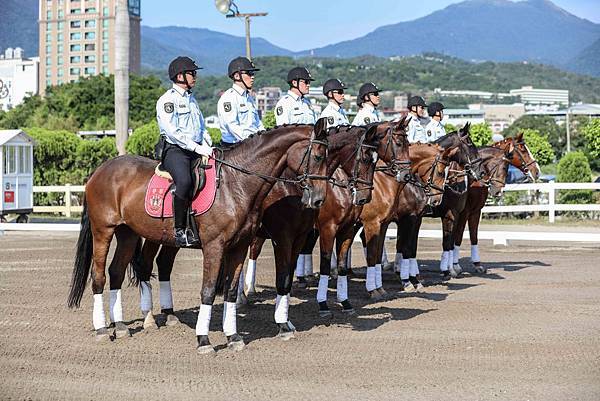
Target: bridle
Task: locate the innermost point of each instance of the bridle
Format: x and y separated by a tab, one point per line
394	167
429	185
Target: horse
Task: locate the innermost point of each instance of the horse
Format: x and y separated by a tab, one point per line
114	206
350	148
516	153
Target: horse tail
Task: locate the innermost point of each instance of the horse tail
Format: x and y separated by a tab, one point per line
83	260
136	266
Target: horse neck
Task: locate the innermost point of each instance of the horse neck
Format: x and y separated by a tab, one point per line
491	157
423	156
342	149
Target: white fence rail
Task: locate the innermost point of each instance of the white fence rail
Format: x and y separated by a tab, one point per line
68	208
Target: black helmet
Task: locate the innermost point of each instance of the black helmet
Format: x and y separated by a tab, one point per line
416	101
299	73
181	64
364	90
433	108
240	64
333	85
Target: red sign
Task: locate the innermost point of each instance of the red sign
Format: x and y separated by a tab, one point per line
9	197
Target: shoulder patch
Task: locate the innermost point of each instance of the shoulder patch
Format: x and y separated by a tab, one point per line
169	107
330	120
227	106
429	132
279	110
367	120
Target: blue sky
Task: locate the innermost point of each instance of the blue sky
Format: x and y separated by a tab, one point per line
303	24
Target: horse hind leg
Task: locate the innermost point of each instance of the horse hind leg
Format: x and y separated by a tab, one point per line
474	219
249	279
101	244
127	241
165	262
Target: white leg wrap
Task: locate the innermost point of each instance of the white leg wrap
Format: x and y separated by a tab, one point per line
342	288
282	304
371	282
456	254
145	296
203	322
414	267
308	264
300	266
166	296
397	262
450	260
116	307
444	261
229	318
322	291
404	269
378	277
475	254
384	257
98	314
251	273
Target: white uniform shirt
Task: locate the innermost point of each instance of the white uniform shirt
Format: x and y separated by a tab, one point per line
366	115
238	115
294	109
416	132
335	115
434	130
181	122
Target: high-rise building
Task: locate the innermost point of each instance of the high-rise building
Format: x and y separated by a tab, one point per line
77	39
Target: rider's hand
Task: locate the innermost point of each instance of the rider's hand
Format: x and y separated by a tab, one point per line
203	150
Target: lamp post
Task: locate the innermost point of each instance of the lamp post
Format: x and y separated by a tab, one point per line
230	10
568	131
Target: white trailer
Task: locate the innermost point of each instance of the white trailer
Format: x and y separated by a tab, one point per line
16	174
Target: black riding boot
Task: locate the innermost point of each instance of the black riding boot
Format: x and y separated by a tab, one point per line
180	210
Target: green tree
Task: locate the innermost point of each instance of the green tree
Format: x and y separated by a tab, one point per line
574	167
539	146
268	119
450	128
591	134
215	135
544	125
481	134
143	139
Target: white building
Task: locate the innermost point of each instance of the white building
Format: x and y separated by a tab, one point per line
459	117
267	98
542	99
18	77
500	116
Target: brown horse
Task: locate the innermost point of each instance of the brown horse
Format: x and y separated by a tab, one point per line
114	205
350	148
515	152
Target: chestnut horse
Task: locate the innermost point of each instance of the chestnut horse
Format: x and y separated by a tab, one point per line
516	153
350	148
114	205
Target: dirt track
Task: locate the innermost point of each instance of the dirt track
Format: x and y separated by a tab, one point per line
528	330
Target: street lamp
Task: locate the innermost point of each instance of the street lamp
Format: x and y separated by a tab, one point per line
230	10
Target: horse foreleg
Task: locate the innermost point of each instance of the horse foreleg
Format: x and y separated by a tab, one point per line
143	263
409	268
213	258
327	237
344	244
304	262
101	243
250	276
459	229
373	246
234	263
447	245
127	241
284	273
474	220
165	262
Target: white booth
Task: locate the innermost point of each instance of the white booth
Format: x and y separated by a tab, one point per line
16	174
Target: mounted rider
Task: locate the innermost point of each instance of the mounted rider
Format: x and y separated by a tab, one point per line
367	100
435	129
293	107
333	89
182	125
416	111
238	115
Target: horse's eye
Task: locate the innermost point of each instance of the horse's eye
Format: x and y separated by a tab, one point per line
318	158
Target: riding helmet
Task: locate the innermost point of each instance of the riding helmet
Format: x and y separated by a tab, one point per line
333	85
416	101
433	108
364	90
240	64
181	64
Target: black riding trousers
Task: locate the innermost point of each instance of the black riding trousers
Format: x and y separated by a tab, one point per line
178	162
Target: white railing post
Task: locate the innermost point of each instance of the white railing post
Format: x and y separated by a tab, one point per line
68	200
551	202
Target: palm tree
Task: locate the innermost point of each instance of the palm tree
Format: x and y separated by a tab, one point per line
122	74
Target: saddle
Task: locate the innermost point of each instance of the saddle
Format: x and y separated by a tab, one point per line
198	171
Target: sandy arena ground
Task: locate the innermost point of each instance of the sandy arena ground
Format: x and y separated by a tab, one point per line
528	330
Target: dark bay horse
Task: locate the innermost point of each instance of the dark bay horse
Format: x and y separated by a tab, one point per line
286	220
114	205
515	152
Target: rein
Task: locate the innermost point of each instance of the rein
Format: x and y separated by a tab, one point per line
429	185
355	179
394	167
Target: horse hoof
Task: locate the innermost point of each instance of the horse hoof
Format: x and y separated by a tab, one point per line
419	287
375	295
172	320
286	331
479	269
324	310
205	349
347	308
457	268
250	291
102	334
453	272
121	331
235	342
382	292
301	283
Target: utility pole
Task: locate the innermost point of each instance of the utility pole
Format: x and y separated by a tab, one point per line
568	132
122	75
229	8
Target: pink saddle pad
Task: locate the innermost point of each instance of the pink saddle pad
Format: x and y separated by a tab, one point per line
159	201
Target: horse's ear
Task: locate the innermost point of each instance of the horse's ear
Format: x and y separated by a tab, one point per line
403	123
371	134
321	128
519	137
466	128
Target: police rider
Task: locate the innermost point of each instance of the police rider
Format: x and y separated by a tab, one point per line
293	107
182	124
238	115
367	100
333	89
435	129
416	111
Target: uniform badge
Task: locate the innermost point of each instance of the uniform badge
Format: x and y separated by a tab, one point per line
367	120
169	107
330	120
279	110
428	132
227	106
